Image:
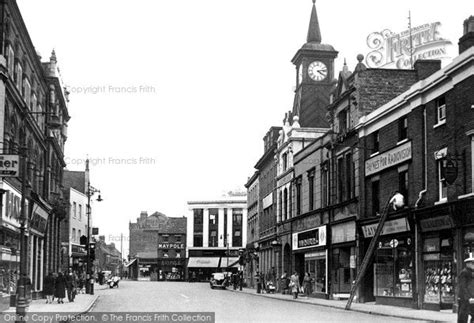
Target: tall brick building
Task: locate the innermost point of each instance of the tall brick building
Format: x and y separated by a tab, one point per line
425	150
30	88
157	247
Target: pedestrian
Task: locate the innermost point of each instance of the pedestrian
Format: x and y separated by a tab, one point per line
284	282
48	288
259	282
60	288
295	284
307	284
70	286
81	282
466	291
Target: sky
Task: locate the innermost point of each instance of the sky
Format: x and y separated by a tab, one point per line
170	100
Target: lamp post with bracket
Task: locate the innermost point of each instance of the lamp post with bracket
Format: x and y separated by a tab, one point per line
90	279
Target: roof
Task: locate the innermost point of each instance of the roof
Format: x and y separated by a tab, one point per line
75	179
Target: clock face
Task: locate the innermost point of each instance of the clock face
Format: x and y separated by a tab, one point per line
300	74
317	71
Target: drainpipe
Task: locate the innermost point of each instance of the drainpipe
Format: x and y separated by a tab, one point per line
418	259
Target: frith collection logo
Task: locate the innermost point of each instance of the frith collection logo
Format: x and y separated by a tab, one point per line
392	50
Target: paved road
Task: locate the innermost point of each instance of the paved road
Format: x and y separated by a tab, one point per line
229	306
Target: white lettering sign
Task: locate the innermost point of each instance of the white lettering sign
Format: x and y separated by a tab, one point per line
388	159
392	226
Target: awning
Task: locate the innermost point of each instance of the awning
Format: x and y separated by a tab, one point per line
131	262
203	262
233	262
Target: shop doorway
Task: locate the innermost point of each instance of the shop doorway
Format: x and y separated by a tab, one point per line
299	265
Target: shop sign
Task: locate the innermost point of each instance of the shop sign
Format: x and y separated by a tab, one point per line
352	261
314	255
12	207
436	223
397	50
388	159
39	219
9	165
450	171
392	226
310	238
343	232
168	262
170	245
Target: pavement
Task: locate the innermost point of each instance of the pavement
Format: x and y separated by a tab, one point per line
82	304
368	308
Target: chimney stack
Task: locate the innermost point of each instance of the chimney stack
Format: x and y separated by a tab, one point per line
467	40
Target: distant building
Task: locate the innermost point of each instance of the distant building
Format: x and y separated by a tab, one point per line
217	230
73	255
107	257
157	247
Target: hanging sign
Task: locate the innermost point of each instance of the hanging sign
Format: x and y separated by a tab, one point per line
450	171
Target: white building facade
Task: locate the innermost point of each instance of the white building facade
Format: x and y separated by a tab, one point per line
216	233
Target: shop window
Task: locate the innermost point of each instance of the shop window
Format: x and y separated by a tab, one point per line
393	268
316	267
165	253
438	271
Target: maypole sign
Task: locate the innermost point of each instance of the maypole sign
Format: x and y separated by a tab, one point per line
392	50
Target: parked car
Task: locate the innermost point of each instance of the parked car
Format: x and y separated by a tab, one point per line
218	280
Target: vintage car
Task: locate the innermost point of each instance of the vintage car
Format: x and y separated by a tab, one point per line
218	280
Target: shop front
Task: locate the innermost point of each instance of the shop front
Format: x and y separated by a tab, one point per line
311	256
343	258
394	264
10	200
171	269
437	233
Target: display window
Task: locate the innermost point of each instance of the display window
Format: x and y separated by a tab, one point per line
394	268
438	270
8	277
315	265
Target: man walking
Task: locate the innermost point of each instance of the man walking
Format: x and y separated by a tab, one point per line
466	291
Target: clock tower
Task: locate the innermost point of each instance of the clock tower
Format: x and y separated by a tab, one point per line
314	63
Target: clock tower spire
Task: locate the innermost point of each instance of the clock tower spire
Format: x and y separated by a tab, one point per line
314	63
314	33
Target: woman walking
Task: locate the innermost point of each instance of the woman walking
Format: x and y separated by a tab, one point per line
295	284
60	288
49	288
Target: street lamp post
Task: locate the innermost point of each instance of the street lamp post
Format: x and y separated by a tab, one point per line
90	283
24	283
